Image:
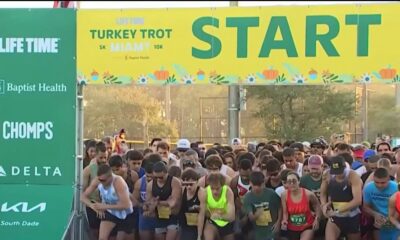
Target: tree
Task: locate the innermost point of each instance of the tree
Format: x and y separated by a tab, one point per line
302	112
111	108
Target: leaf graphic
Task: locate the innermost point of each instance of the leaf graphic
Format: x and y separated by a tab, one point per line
152	76
377	75
259	75
291	69
181	71
125	79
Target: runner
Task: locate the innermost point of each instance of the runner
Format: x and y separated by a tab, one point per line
115	206
120	168
164	150
190	205
344	189
217	202
166	192
306	169
299	151
89	174
290	161
229	160
202	147
135	160
194	156
313	183
273	167
182	146
240	186
384	147
394	210
263	208
376	203
147	223
109	142
318	146
90	152
153	144
297	215
213	165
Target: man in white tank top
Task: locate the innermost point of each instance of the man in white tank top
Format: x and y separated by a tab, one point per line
115	206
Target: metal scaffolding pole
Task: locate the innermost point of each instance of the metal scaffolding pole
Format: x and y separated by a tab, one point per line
234	103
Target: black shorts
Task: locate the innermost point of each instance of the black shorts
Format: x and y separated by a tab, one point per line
322	226
296	235
121	225
223	231
347	225
94	221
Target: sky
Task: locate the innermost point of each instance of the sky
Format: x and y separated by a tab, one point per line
163	4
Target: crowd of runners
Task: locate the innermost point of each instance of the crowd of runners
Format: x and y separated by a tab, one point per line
289	190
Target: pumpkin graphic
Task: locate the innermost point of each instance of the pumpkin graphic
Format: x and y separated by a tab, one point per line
161	74
270	74
387	73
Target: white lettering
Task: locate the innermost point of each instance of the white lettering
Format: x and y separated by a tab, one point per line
23	207
57	172
28	130
27	171
15	171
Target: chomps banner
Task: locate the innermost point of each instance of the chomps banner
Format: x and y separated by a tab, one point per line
37	121
334	44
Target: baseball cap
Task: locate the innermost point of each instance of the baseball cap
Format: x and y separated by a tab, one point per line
369	153
366	144
297	146
338	164
315	160
183	144
236	141
359	153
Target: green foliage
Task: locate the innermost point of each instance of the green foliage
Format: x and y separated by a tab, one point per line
302	112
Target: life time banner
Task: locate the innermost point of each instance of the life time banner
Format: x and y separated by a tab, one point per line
37	121
334	44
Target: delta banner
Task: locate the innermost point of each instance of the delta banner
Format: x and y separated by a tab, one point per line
334	44
37	121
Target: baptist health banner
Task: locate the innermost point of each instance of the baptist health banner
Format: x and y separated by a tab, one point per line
334	44
37	122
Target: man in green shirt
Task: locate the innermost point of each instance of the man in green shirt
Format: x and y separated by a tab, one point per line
263	207
313	180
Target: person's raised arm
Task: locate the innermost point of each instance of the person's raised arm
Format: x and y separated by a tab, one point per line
89	190
136	194
356	188
200	220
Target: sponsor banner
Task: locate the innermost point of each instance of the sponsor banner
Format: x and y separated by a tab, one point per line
37	96
336	44
34	211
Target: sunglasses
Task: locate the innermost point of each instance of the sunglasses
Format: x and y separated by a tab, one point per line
203	149
273	174
188	184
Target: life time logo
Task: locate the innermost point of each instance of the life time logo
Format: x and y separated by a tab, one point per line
28	171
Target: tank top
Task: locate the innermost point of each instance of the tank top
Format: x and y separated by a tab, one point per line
163	193
95	195
141	172
109	196
143	187
300	216
341	193
129	181
221	204
190	209
397	203
242	188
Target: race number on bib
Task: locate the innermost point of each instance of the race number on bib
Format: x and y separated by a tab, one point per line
163	212
191	219
298	219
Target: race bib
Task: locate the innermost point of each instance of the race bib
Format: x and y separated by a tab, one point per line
163	212
191	219
298	219
264	219
337	205
388	225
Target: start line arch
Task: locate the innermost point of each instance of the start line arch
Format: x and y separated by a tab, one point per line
42	106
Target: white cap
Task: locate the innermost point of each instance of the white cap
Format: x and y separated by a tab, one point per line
236	141
183	144
306	144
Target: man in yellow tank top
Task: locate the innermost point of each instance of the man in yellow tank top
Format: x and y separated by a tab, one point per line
217	205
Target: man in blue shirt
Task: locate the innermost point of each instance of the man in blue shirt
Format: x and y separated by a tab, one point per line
376	204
